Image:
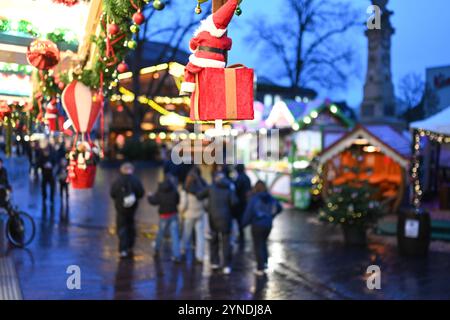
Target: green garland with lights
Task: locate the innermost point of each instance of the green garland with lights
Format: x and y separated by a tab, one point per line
415	161
62	35
119	13
23	26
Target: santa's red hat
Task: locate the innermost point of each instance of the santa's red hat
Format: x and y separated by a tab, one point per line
217	23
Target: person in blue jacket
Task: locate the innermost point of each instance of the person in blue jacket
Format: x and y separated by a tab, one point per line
260	212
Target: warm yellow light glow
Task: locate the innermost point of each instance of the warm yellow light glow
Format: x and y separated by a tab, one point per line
172	119
360	141
371	149
125	75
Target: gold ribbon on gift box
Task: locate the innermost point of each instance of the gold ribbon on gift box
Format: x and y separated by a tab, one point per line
230	93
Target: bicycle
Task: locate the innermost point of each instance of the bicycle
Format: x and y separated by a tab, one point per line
20	226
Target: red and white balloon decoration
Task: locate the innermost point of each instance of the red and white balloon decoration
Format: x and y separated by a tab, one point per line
83	107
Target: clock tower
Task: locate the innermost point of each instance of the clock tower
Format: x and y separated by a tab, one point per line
379	104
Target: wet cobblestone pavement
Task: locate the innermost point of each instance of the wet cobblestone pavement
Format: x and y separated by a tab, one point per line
308	259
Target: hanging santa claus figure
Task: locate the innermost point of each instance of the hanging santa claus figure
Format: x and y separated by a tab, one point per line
209	46
51	115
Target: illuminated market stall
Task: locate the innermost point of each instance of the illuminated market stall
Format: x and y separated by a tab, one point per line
434	130
378	155
304	129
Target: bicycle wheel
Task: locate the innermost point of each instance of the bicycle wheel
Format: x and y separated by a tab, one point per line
20	229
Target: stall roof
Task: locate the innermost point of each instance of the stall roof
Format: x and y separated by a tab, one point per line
286	113
390	142
439	123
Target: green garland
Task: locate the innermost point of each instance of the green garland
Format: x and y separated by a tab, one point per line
118	12
61	35
15	68
5	25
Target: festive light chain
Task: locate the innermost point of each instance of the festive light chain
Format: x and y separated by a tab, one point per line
415	168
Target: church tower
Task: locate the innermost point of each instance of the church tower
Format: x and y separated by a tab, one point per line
379	104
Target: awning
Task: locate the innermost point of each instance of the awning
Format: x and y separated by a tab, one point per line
439	123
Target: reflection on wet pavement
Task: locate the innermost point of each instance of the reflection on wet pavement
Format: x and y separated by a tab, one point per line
308	260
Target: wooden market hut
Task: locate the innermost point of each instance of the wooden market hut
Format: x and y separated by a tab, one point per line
381	156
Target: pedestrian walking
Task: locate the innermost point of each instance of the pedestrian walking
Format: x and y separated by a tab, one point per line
5	187
243	189
167	199
62	174
47	164
222	198
126	191
194	213
260	212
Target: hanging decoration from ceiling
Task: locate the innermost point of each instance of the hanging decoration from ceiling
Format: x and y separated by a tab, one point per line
83	107
43	54
217	92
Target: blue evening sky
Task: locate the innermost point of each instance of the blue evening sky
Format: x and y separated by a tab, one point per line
422	39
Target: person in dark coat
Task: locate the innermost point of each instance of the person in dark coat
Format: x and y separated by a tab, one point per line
222	198
47	163
5	187
167	199
126	192
4	181
243	189
260	212
62	174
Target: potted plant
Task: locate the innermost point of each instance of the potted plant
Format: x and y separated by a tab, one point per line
355	208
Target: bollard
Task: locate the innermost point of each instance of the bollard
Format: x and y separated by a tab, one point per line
413	232
3	236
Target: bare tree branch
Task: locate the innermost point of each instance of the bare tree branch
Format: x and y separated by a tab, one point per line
301	44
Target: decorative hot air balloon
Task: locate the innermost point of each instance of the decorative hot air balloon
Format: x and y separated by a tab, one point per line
83	108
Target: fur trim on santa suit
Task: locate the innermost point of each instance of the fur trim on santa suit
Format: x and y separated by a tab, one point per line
205	62
209	26
187	87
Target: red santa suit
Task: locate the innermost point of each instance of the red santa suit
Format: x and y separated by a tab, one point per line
210	45
51	115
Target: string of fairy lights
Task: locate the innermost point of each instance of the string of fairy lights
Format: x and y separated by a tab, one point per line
415	166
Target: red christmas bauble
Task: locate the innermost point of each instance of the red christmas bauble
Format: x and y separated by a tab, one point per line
61	85
138	18
122	67
43	54
113	29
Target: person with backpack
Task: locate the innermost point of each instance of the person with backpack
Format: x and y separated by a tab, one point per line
167	199
260	212
126	192
194	214
243	189
222	198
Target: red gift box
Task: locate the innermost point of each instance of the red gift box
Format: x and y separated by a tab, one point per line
223	93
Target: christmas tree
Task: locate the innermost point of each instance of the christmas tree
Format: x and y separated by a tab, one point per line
353	203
